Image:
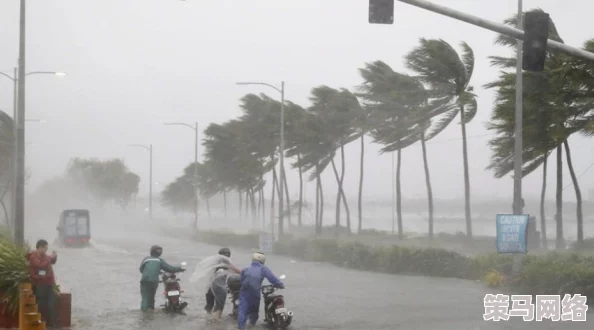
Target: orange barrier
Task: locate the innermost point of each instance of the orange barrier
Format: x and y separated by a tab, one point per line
29	316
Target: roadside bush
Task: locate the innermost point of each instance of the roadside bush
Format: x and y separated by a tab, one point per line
13	272
586	245
553	273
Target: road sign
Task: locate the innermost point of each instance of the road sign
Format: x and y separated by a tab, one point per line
512	233
266	242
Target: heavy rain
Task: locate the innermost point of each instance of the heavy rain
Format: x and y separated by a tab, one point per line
349	164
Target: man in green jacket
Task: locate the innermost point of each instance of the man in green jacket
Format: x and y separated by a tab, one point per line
151	268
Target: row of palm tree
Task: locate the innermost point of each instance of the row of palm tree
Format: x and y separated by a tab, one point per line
557	103
397	110
394	109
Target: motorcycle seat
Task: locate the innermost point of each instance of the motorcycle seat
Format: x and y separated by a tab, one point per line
275	296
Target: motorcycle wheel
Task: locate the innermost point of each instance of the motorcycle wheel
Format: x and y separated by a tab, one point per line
279	323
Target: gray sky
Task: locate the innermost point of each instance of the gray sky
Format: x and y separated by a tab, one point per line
134	64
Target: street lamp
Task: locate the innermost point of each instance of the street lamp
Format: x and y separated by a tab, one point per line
18	79
281	90
15	81
150	150
195	128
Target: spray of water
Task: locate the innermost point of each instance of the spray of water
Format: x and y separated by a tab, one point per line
205	270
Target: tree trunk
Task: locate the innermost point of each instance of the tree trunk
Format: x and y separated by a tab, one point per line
317	217
428	182
338	200
399	196
225	202
240	205
321	195
559	241
344	201
543	218
262	208
272	201
254	209
287	199
208	207
300	211
466	177
578	197
6	215
259	206
321	205
247	205
360	201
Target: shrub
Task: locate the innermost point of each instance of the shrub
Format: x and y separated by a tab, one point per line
494	279
553	273
13	272
587	244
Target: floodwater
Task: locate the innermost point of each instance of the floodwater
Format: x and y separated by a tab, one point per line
104	282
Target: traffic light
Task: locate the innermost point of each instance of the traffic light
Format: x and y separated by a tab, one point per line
381	11
536	35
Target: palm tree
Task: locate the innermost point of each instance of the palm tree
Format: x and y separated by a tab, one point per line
340	108
294	130
437	64
558	102
315	147
379	94
402	110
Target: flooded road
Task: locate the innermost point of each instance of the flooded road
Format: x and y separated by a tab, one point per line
104	284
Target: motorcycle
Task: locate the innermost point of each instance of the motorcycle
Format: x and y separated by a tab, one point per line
172	292
276	314
233	286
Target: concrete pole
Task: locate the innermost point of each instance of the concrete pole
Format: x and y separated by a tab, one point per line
20	152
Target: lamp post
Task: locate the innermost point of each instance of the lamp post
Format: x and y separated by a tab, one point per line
518	147
150	150
195	128
281	90
18	188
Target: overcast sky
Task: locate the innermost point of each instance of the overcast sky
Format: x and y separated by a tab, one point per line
134	64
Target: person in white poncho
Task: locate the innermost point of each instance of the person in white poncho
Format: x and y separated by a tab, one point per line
217	292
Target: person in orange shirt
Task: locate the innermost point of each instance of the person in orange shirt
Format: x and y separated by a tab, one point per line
43	281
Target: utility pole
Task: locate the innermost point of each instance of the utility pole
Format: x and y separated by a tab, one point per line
282	162
518	130
195	181
281	90
20	152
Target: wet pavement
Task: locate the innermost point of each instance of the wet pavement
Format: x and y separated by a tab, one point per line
103	280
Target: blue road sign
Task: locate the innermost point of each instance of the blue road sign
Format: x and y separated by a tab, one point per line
512	233
266	242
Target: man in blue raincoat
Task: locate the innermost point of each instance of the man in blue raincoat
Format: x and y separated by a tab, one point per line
249	293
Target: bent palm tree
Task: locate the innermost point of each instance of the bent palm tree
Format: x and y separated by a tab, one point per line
438	65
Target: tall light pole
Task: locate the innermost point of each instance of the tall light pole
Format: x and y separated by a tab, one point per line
150	150
281	90
518	148
15	80
18	187
195	128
